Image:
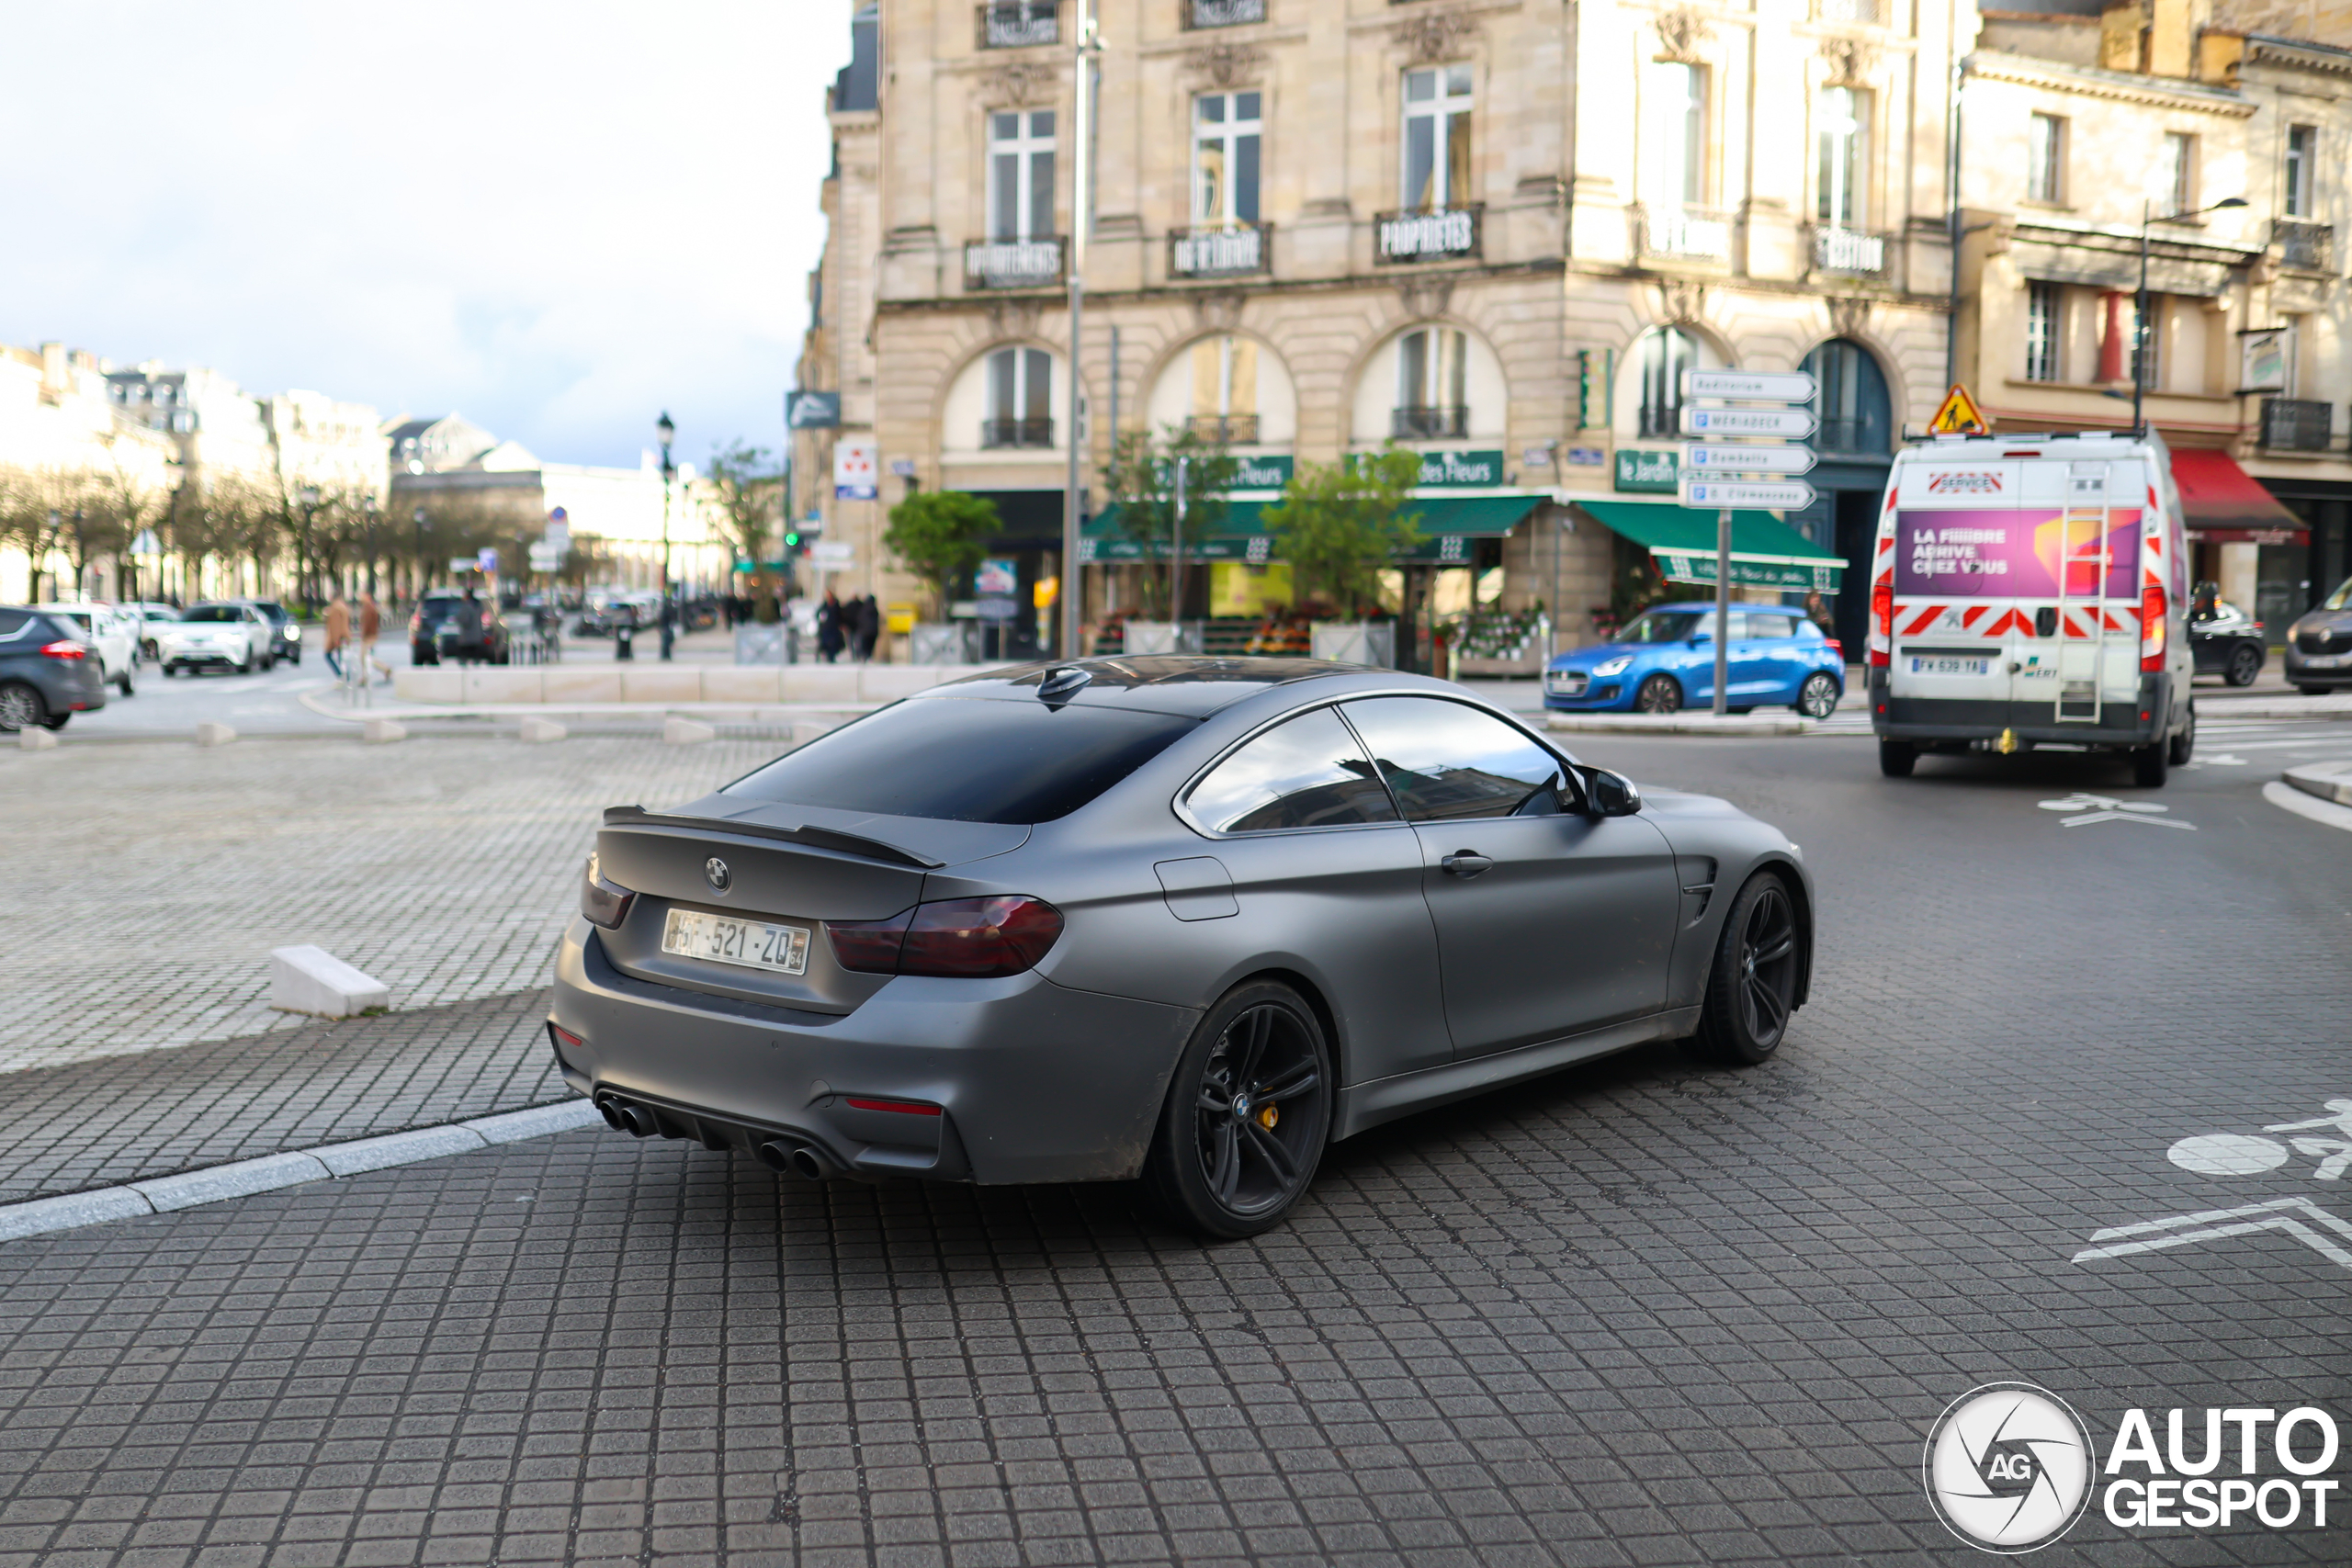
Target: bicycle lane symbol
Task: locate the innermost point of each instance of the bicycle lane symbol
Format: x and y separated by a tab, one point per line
2251	1154
2088	808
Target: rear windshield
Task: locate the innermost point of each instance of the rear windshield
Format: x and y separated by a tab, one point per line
213	613
966	760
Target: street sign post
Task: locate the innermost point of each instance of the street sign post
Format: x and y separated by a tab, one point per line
1755	385
1727	461
1783	495
1781	424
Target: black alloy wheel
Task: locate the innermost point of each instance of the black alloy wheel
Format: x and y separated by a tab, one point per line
1659	693
20	708
1817	698
2245	664
1753	986
1247	1117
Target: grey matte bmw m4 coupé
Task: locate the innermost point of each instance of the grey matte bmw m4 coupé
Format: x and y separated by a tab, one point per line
1177	918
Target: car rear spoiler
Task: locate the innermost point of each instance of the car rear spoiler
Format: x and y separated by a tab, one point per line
807	837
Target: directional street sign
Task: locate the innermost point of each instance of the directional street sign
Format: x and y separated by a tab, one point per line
1785	423
1792	495
1755	459
1764	386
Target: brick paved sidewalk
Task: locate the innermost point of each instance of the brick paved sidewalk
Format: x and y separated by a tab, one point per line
98	1123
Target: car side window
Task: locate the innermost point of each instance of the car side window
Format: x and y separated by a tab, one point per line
1764	626
1446	761
1309	771
13	623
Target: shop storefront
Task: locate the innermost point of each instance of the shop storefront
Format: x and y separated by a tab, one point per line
1669	550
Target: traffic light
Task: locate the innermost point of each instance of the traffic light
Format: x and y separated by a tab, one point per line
792	541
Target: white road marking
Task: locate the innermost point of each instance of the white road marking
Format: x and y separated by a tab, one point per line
2228	1154
2214	1225
2289	797
2106	808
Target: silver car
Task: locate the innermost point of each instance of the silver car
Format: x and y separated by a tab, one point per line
1181	919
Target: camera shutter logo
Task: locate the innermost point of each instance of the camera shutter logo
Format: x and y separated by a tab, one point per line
714	871
2008	1467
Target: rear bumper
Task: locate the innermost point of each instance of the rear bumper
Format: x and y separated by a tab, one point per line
1930	718
1035	1082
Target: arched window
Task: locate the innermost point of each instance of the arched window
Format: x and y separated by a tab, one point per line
1020	392
1855	415
1432	396
1666	354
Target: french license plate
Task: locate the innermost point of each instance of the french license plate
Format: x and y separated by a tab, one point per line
1948	664
721	939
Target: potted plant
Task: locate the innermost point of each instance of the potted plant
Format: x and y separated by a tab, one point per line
1490	640
940	537
1142	483
1339	525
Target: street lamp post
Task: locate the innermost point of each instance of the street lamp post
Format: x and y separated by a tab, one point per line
421	577
1082	220
309	498
667	433
368	511
2140	302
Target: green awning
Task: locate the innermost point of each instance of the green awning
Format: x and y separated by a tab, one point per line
1764	552
1447	523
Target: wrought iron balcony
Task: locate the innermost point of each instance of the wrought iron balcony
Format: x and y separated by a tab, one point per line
1429	424
1850	251
1013	264
2311	246
2297	424
1218	252
1225	429
1020	24
1439	233
1223	13
1698	232
1002	433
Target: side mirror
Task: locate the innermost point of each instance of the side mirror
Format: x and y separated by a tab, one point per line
1611	795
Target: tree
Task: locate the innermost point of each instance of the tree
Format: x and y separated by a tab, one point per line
1339	525
939	534
1141	482
749	495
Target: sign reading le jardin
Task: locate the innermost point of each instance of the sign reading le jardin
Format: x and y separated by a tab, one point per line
1650	472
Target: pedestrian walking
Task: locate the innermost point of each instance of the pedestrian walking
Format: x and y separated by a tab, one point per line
471	636
338	632
371	626
1816	610
869	628
830	633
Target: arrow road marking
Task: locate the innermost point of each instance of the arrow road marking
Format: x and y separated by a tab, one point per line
2119	817
2106	808
2218	1223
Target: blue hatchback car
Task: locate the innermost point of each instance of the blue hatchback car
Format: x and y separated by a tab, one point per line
1666	661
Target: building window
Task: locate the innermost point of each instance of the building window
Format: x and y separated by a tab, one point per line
1677	135
1225	390
1020	174
1666	354
2043	323
2302	154
1843	121
2147	342
2045	155
1433	384
1226	130
1021	399
1437	138
2174	188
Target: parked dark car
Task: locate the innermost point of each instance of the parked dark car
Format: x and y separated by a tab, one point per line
2226	640
432	630
1174	918
2319	645
48	672
288	643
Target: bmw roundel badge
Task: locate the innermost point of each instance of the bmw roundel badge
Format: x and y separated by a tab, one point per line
715	870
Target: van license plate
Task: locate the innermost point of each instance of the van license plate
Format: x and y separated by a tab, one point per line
1948	664
689	934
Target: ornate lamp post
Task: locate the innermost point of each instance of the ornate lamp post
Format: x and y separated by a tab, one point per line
421	577
667	433
2140	301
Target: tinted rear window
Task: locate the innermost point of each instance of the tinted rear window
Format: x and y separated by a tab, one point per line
213	613
964	760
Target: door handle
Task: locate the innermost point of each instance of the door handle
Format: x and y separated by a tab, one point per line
1465	863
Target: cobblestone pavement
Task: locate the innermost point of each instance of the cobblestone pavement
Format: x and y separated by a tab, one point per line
104	1121
1639	1312
153	879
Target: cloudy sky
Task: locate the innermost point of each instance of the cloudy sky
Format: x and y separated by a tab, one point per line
558	219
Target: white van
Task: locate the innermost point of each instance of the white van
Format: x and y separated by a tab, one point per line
2031	590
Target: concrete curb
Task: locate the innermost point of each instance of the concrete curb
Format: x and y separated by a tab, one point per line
1678	724
2327	781
165	1195
2214	704
2286	797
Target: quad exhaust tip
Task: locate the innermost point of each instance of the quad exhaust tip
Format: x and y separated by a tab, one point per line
785	1158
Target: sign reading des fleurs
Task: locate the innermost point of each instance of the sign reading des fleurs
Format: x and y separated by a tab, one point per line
1478	469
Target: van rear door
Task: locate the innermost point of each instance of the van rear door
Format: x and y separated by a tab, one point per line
1954	519
2072	633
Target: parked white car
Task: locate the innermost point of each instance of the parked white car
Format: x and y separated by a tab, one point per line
112	631
222	632
153	616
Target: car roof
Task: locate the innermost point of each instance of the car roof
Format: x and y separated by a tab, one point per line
1191	685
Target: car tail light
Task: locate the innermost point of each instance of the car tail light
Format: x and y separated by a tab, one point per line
64	649
903	1107
605	903
2152	628
956	938
1882	648
563	1037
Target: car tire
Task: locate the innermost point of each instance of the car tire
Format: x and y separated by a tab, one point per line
20	708
2183	745
122	684
245	666
2150	765
2245	664
1897	758
1752	985
1817	698
1222	1172
1658	693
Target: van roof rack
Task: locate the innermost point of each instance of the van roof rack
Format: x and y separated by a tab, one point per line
2012	438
